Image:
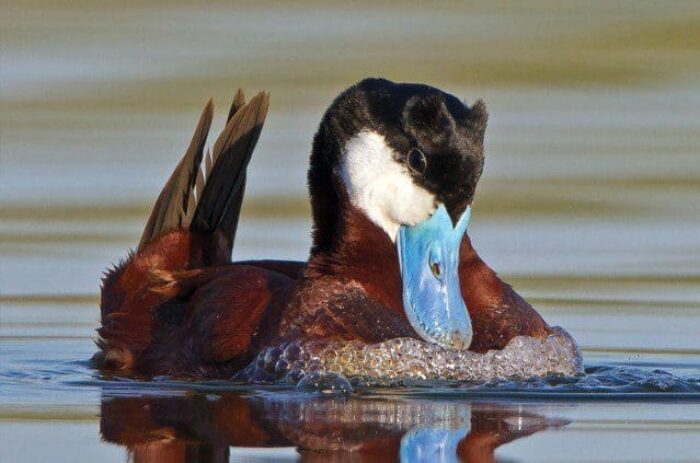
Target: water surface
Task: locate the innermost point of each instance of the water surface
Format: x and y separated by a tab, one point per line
588	207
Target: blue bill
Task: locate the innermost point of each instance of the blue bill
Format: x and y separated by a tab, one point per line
432	444
432	297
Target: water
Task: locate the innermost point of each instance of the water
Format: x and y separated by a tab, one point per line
588	207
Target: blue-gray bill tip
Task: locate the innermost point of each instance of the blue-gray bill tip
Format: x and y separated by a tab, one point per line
432	297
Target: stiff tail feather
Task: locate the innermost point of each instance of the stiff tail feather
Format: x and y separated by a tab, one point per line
202	196
208	198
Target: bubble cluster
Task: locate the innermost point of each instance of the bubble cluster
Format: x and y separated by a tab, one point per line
325	381
413	359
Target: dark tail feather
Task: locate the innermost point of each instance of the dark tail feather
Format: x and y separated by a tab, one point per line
237	103
219	205
170	209
209	199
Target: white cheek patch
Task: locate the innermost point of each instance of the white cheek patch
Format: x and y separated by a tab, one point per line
382	187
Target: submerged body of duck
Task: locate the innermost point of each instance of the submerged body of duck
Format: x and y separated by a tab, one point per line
392	177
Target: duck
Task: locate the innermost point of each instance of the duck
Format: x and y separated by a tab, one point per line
159	428
392	178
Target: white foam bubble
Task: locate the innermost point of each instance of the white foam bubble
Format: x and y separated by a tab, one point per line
412	359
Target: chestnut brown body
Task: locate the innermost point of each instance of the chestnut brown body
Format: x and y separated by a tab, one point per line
179	307
194	427
164	315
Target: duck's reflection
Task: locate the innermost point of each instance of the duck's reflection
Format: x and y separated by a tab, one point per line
228	426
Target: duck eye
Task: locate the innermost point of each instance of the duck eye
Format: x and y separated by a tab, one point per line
416	161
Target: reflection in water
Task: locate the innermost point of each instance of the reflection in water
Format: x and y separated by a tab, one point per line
214	428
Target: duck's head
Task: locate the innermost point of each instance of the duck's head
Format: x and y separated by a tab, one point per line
407	157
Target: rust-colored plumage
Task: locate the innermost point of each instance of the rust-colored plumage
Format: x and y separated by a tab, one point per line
171	429
179	307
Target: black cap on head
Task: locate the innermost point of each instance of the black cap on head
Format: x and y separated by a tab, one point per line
451	137
438	137
448	133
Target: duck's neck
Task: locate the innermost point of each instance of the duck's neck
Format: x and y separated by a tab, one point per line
325	201
346	244
361	251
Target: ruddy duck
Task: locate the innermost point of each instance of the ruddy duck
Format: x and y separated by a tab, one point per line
392	178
